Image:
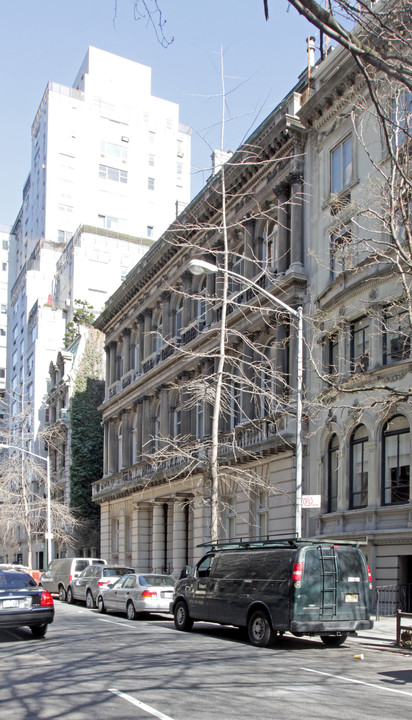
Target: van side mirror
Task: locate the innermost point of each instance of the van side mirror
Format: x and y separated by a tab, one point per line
185	572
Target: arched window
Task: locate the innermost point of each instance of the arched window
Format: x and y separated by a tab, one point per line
332	475
395	461
358	478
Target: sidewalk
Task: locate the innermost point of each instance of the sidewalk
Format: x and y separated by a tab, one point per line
382	636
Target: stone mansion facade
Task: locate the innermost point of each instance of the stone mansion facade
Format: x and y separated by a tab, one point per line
294	193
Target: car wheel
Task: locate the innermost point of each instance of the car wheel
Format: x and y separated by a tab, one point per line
333	640
70	597
183	621
100	605
89	600
259	629
62	593
39	631
130	611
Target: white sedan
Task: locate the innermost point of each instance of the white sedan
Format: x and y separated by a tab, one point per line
137	593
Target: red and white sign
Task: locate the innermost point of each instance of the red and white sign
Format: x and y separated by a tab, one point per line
311	501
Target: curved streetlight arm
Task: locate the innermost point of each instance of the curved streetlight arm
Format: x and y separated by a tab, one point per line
48	534
201	267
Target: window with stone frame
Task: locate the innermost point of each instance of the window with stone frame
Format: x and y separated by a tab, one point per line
229	517
396	340
401	117
358	477
341	173
359	345
262	514
332	354
396	460
332	474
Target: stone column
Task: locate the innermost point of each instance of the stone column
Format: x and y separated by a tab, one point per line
144	538
164	414
126	350
158	549
146	423
179	537
140	342
135	533
122	538
139	429
105	447
126	438
147	336
187	299
112	454
166	318
282	247
296	224
210	291
248	250
200	530
113	353
105	521
282	349
248	404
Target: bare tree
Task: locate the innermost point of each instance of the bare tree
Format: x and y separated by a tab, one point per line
23	488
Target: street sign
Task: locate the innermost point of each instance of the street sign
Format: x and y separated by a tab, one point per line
311	501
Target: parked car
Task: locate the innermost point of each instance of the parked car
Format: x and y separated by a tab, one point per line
137	593
301	586
23	602
94	578
61	572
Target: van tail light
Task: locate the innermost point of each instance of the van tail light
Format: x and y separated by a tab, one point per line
297	572
46	599
148	593
369	576
70	578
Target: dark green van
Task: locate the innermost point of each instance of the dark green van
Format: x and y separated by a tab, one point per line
304	587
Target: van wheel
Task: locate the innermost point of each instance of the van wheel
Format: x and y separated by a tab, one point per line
183	621
89	600
70	598
62	593
259	629
333	640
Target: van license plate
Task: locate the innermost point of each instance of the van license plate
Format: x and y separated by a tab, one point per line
352	597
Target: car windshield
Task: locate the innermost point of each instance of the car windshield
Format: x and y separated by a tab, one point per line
119	572
156	580
16	581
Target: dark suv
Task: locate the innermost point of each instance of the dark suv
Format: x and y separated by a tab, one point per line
94	578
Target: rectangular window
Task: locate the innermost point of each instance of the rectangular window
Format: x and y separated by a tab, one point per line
230	517
116	151
341	166
150	183
5	244
105	221
359	345
396	338
149	231
113	174
4	266
401	117
151	160
333	356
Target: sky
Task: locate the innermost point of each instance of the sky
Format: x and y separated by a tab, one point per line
47	40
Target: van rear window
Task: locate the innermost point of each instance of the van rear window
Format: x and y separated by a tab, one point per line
80	565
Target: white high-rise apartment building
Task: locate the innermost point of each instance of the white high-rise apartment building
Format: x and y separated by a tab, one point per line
4	270
110	161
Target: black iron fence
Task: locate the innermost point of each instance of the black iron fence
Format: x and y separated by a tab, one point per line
391	598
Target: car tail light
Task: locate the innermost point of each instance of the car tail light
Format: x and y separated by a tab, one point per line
297	572
102	583
46	599
149	593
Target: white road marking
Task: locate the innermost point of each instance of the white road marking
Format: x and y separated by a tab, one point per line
140	705
118	624
358	682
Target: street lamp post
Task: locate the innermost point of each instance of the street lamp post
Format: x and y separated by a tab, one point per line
201	267
48	534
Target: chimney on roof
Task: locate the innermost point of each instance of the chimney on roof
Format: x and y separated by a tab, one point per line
219	157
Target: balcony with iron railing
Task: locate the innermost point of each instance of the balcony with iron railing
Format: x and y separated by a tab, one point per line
243	444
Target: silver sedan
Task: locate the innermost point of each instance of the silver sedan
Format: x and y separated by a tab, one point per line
137	593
